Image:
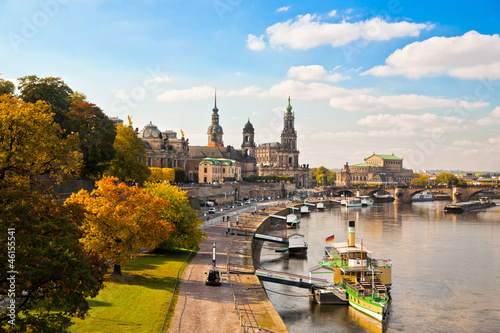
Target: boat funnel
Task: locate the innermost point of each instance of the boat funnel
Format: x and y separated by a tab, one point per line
352	233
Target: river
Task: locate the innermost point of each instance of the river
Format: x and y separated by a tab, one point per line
446	269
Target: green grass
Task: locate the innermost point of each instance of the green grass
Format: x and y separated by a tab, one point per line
137	300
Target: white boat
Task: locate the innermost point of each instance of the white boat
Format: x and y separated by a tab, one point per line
320	206
297	245
304	210
292	220
353	202
366	200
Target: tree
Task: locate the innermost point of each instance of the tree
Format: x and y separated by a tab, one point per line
7	87
120	220
31	144
450	179
180	214
321	174
180	175
51	89
97	134
422	180
54	275
331	178
162	175
129	161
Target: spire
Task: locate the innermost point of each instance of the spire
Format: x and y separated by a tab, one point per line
289	107
215	105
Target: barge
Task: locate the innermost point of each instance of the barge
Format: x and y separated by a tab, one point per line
462	207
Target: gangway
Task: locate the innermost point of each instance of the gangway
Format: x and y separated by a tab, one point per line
271	239
309	204
295	280
277	217
337	201
293	208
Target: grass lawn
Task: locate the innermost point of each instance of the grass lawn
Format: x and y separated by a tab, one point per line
137	300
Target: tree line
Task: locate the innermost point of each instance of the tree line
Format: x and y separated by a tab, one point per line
61	252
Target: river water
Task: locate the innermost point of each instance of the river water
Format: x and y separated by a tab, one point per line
446	269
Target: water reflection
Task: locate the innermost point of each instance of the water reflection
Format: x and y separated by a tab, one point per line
446	275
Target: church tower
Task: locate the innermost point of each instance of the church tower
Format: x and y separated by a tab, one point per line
289	156
215	131
248	145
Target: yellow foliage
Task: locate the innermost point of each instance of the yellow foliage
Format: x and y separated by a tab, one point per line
121	219
162	175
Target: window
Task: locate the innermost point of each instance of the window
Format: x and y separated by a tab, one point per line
205	171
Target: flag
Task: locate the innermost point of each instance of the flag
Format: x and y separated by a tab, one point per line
330	239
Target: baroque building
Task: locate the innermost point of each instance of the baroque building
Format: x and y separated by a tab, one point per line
282	158
376	170
215	149
217	169
164	149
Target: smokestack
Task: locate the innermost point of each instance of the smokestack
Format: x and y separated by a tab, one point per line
352	233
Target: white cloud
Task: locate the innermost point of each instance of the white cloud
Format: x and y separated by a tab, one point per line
159	79
332	13
283	9
310	91
399	102
307	31
425	125
191	94
493	118
313	73
255	43
120	94
471	56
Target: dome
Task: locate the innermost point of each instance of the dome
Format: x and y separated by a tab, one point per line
248	127
150	131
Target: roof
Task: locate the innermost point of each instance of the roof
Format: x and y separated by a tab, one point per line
388	157
219	161
366	165
343	247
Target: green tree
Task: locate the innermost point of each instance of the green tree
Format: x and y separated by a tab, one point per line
162	175
180	214
129	161
51	89
54	274
321	175
331	178
31	143
7	87
180	175
97	134
120	220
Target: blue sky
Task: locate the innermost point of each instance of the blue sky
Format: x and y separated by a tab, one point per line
419	79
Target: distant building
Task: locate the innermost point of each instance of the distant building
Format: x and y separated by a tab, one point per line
282	159
216	149
218	169
376	170
164	149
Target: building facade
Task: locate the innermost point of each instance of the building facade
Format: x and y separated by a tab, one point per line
218	169
282	158
164	149
376	170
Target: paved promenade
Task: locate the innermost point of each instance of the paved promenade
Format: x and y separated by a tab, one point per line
212	309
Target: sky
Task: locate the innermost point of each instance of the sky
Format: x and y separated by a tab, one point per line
417	79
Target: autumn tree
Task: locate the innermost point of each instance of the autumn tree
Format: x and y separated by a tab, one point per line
180	214
130	157
45	234
120	220
7	87
422	180
323	176
162	175
31	143
52	90
96	132
450	179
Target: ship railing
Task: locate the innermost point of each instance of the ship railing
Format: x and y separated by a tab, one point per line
381	263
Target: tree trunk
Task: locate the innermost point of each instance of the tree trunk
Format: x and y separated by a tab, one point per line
117	269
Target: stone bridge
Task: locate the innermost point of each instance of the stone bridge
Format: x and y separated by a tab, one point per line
405	194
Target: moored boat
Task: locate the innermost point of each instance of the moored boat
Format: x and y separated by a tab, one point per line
292	220
320	206
353	202
365	280
366	200
304	210
423	196
468	206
